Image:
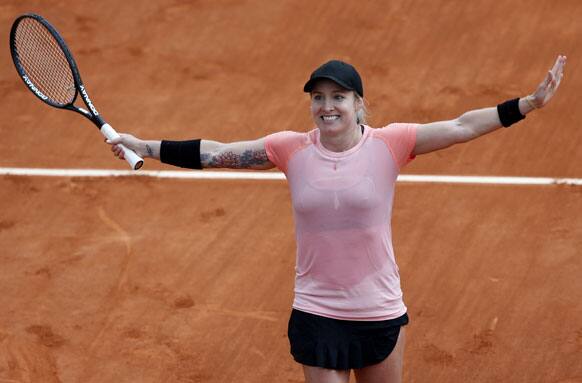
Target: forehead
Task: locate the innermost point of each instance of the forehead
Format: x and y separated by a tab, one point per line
326	85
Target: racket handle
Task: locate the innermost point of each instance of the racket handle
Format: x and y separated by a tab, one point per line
131	157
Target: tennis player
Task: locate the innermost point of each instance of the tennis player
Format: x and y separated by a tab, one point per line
348	312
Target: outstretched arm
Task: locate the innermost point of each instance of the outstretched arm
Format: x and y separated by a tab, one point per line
439	135
213	154
236	155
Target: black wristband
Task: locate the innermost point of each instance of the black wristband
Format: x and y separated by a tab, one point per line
509	112
185	154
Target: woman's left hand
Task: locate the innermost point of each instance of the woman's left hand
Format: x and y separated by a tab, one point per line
548	87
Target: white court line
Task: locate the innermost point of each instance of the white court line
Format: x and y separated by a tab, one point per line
230	175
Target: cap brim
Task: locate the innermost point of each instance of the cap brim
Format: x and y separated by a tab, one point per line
311	83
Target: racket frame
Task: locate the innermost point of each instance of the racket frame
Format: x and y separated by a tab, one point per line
92	114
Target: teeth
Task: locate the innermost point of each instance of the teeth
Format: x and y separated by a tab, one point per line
329	118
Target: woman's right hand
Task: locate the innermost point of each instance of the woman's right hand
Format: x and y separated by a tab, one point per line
140	147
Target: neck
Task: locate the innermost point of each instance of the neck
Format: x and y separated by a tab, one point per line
342	142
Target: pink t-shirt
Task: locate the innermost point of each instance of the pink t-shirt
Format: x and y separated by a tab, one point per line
342	205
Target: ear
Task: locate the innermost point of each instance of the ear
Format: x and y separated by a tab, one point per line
358	102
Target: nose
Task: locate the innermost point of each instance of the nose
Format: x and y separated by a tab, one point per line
328	105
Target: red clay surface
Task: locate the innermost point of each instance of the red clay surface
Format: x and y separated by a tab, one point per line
143	280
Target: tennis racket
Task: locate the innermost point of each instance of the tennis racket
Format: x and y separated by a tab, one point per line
46	65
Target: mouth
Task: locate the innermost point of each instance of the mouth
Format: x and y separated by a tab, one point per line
330	118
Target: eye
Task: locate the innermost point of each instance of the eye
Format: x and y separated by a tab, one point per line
316	97
339	97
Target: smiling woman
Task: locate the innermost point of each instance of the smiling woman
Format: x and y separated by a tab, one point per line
334	110
345	77
348	312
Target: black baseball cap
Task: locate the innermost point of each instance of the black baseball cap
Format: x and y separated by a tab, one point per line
340	72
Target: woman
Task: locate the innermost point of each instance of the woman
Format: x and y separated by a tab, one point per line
348	311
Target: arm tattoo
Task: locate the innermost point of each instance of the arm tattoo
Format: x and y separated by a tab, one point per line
149	150
247	160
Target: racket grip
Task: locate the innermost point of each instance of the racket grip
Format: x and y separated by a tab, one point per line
130	156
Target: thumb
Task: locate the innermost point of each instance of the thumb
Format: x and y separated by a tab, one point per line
114	141
549	77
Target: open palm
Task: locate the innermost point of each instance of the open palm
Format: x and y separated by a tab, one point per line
548	87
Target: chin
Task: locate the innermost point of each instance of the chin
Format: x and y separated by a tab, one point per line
331	128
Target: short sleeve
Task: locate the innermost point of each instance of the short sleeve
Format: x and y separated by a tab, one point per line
281	146
400	139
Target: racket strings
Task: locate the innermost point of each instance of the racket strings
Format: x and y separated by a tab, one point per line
44	62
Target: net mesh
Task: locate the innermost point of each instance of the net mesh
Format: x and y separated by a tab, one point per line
43	61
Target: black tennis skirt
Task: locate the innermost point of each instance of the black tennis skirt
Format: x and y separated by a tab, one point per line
341	344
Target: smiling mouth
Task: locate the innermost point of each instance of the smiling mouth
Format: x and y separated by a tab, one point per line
330	118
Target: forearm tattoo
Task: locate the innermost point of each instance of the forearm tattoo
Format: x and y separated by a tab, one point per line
149	150
247	160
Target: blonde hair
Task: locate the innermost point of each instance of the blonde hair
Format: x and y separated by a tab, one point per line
362	113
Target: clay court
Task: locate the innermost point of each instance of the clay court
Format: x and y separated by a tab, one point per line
143	279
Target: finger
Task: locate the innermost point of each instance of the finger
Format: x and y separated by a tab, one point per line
114	141
548	79
563	59
561	74
557	64
562	65
553	83
117	150
559	79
